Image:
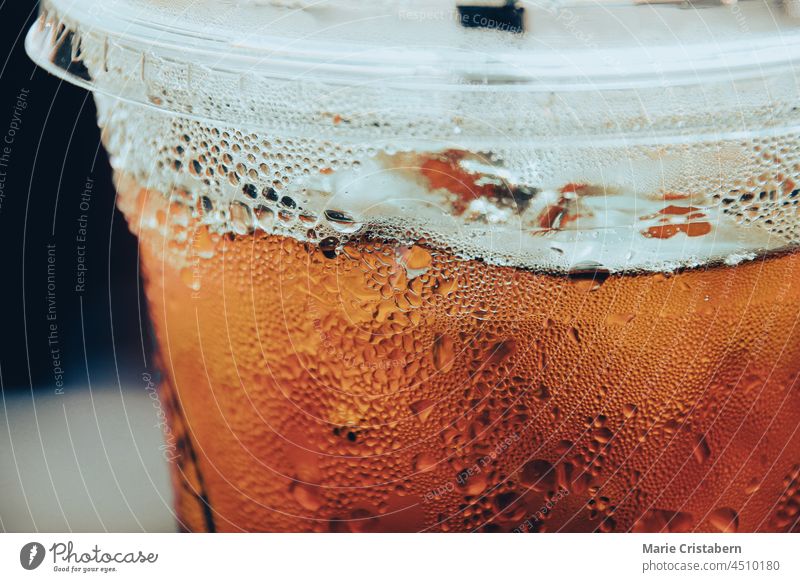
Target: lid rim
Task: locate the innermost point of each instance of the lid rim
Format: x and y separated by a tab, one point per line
432	65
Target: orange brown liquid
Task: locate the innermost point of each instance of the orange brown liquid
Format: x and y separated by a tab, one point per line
399	388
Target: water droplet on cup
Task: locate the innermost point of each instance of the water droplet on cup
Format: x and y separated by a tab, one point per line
342	221
724	519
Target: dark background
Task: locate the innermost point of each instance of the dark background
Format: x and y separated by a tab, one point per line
103	334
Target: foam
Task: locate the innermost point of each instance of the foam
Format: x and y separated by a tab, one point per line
610	233
320	190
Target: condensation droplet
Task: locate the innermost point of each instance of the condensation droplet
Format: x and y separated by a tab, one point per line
250	191
307	496
724	519
472	484
423	409
328	246
424	462
342	222
417	258
588	276
265	217
241	218
443	353
702	451
539	475
752	485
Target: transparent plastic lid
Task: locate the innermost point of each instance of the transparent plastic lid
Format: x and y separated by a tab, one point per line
539	43
650	61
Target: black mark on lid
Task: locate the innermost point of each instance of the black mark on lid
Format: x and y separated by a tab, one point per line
507	17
